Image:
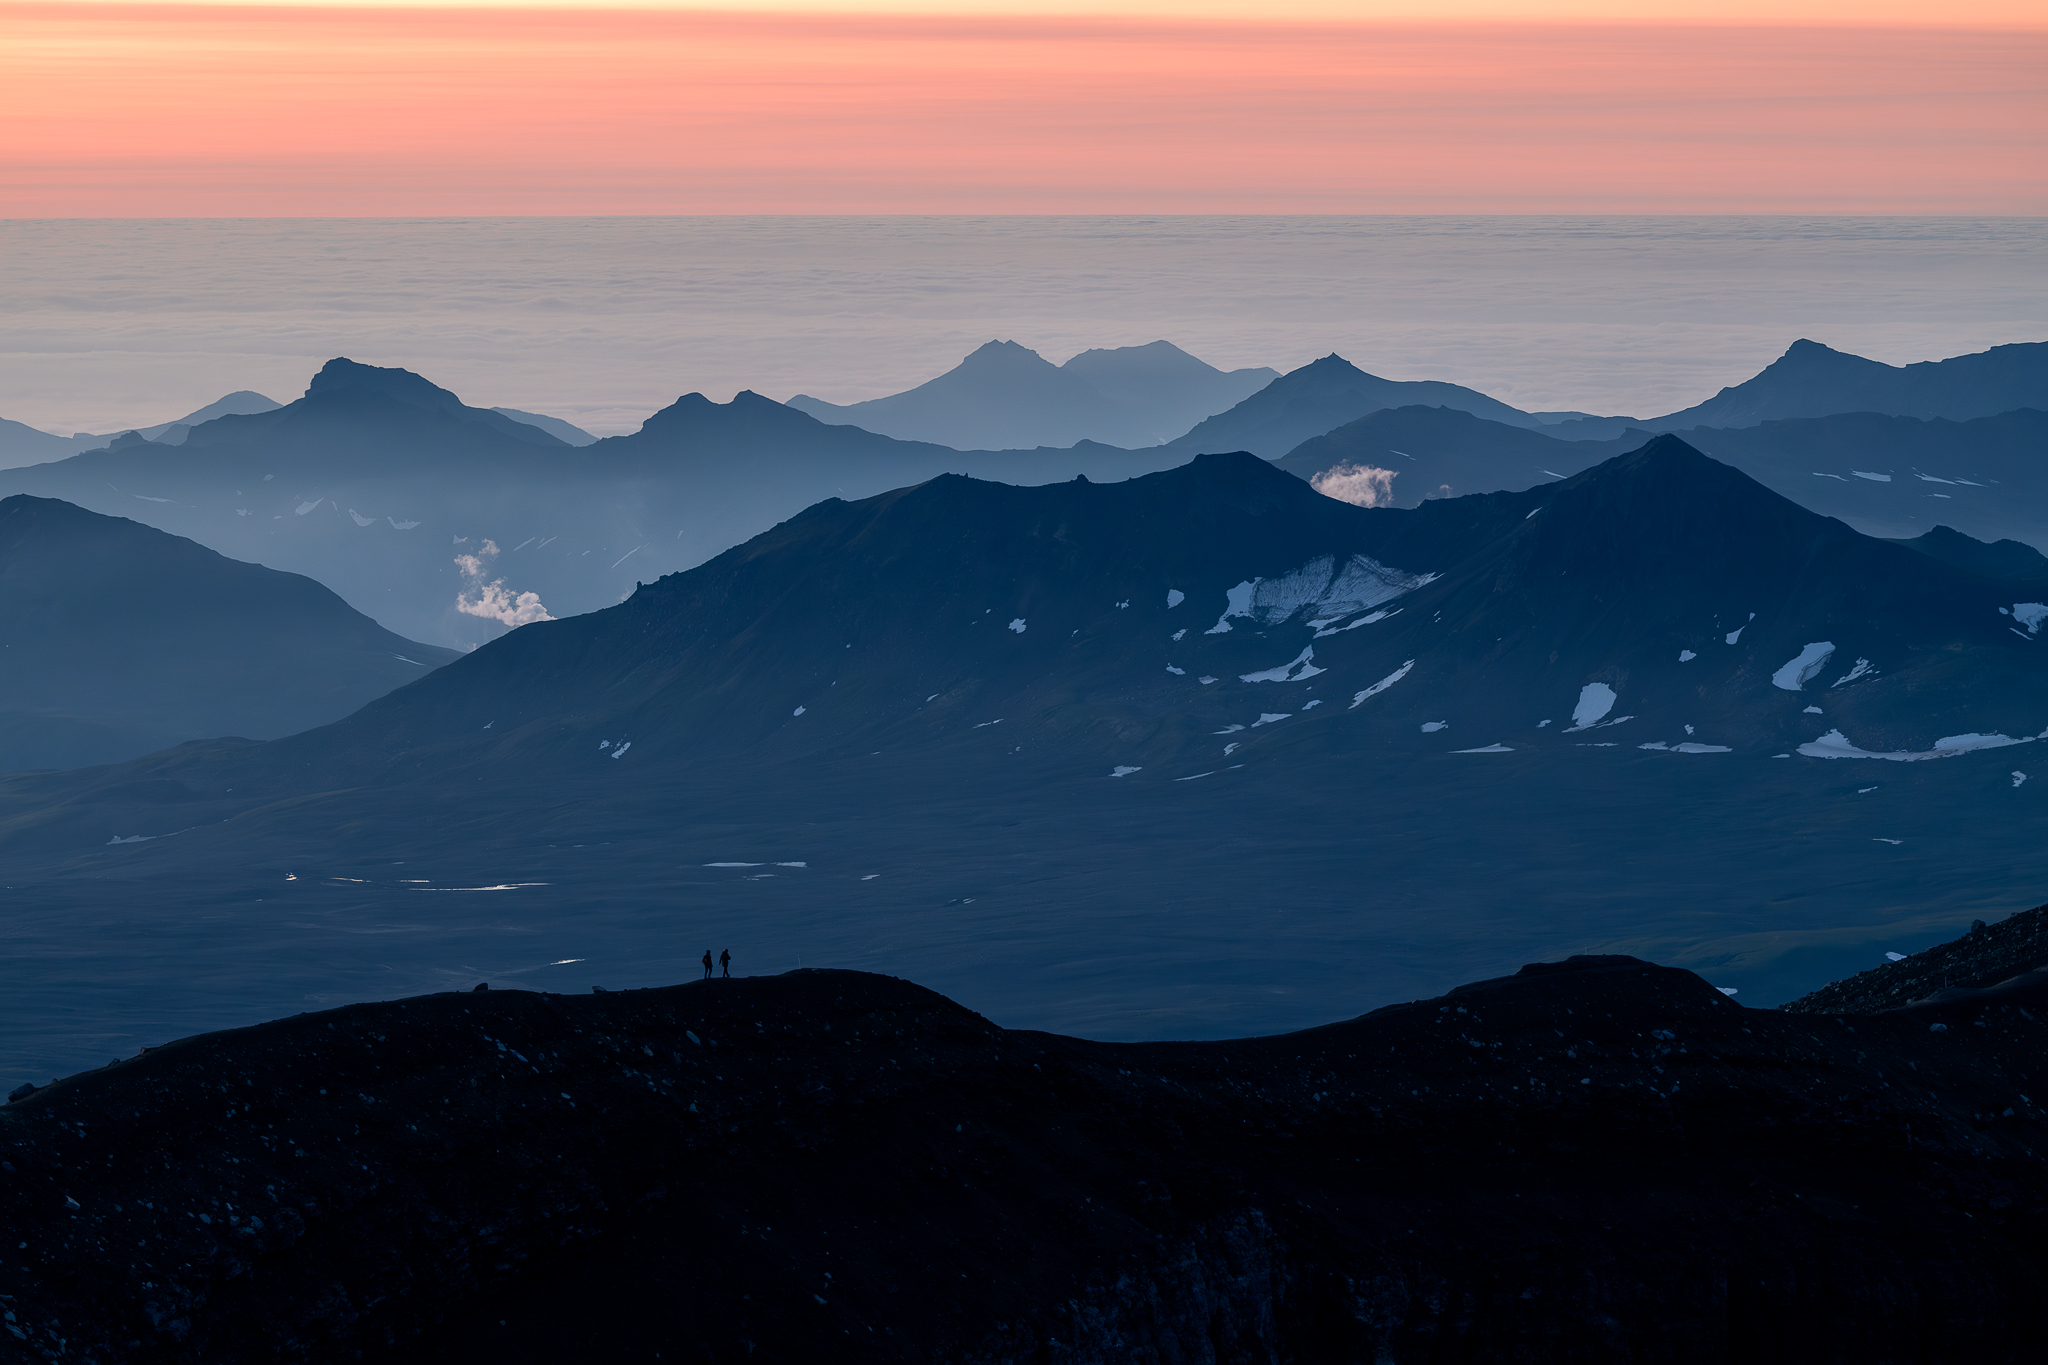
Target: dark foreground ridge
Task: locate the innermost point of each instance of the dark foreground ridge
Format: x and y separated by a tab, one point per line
1592	1160
1999	958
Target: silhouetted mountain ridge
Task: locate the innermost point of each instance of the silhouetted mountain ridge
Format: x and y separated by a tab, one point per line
121	640
1006	396
1812	380
1596	1159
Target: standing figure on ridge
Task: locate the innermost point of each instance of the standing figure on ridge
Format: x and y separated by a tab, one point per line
724	961
707	964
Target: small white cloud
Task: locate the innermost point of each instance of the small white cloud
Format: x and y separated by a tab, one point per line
493	600
1359	485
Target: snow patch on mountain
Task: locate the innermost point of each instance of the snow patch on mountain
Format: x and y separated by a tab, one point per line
1795	673
1358	698
1335	591
1595	701
1295	671
1834	744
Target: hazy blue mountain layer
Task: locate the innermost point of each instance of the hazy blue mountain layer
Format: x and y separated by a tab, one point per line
1199	754
20	445
1812	380
566	432
1896	477
439	519
120	640
1325	394
1005	396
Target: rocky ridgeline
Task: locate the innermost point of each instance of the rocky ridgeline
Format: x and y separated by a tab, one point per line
1594	1160
1990	954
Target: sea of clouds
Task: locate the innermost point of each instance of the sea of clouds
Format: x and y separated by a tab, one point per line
119	323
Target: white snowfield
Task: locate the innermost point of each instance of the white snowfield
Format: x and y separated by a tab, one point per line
1595	701
1123	771
1334	591
1358	698
1174	597
1489	749
1686	656
1018	625
1430	727
1861	670
1834	744
1687	748
1874	478
1795	673
1295	671
2030	615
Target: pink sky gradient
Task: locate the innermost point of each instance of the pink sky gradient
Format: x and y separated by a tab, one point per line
192	111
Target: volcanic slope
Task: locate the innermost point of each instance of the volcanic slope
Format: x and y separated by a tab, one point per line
1195	754
120	640
437	517
1590	1160
879	618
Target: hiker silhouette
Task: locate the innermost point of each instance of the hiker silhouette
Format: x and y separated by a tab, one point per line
725	961
707	964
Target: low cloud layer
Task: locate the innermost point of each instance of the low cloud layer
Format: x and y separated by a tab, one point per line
493	600
1361	485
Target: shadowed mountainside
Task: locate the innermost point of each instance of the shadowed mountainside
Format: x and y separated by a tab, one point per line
1200	753
1595	1160
120	640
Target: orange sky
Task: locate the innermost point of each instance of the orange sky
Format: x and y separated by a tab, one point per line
167	110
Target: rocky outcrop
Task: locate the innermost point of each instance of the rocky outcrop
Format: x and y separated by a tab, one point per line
1986	956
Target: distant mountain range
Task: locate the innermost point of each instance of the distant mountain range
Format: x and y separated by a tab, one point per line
1195	754
120	640
1004	396
568	433
1887	476
20	445
413	505
1327	393
1812	380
